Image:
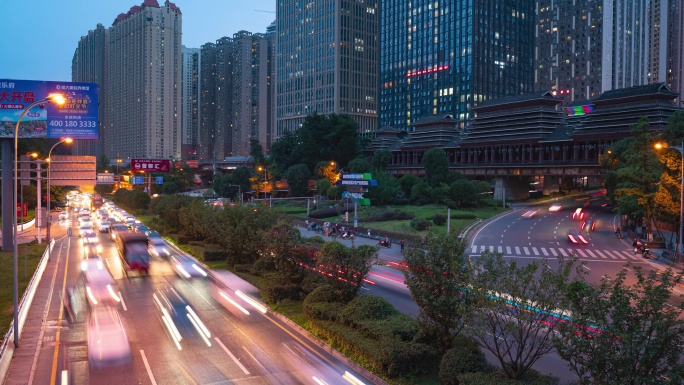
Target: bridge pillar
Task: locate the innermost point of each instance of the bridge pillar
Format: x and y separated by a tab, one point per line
551	184
516	188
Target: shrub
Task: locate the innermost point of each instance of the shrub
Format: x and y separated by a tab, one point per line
401	201
324	302
367	307
499	378
463	216
399	326
439	219
243	268
215	255
315	239
465	357
400	359
324	213
323	293
420	224
262	266
276	291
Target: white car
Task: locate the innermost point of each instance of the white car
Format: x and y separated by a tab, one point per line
63	216
104	226
108	344
158	247
90	238
84	229
186	266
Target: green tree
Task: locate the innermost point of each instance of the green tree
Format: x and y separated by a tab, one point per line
518	308
421	193
632	334
102	163
346	268
257	152
298	180
407	182
322	186
285	249
242	176
463	192
101	189
169	187
386	191
327	170
381	159
438	276
436	166
639	174
285	153
358	166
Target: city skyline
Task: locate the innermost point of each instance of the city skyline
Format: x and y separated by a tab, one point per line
203	21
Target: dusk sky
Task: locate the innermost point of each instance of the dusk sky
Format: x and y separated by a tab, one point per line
40	36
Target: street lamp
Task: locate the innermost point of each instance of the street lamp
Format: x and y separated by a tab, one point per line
58	99
265	181
118	161
658	146
49	218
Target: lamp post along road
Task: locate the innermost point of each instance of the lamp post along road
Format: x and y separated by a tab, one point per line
59	99
49	217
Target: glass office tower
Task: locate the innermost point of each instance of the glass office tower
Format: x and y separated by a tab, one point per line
444	57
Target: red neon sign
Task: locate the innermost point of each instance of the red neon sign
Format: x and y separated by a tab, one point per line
427	71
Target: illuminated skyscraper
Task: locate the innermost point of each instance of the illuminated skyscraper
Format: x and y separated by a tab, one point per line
442	58
144	83
327	61
89	65
191	112
584	48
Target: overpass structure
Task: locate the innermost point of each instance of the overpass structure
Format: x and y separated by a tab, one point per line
530	142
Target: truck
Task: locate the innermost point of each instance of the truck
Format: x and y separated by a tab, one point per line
96	202
133	251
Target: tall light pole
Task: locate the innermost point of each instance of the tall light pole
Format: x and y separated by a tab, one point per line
680	149
55	98
265	181
118	161
49	217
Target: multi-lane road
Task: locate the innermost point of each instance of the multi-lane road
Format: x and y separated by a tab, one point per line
262	348
254	348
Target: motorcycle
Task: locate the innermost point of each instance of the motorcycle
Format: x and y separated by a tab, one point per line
348	234
382	243
646	252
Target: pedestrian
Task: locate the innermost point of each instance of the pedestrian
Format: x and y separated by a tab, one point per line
402	243
369	233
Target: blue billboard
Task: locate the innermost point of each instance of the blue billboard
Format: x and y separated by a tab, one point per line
76	119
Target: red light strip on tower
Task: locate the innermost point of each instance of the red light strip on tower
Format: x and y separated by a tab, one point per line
427	71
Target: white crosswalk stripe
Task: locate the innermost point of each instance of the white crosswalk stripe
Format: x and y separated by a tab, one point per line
556	252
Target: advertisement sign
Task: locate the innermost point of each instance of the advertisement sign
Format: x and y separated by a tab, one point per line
76	119
22	213
151	165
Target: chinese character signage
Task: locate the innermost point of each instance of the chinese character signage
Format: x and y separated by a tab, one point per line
76	119
151	165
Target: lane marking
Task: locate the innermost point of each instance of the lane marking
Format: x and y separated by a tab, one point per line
237	362
122	302
534	249
527	252
544	252
517	250
585	266
508	250
147	367
553	251
55	356
500	249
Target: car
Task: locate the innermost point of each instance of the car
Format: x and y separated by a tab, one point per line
108	344
576	237
578	214
117	228
100	286
529	213
104	226
555	207
186	266
589	225
158	247
180	320
90	238
84	229
140	228
63	216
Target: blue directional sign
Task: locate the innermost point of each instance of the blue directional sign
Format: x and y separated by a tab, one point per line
138	180
159	180
77	118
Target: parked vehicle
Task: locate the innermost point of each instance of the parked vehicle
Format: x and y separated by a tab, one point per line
133	252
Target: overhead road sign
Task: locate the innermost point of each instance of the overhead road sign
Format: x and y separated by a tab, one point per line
137	180
72	170
76	119
151	165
